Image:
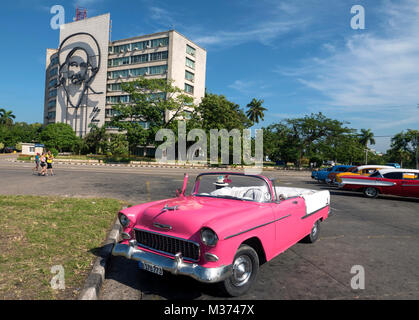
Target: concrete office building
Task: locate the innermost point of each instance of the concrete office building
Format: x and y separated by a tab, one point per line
84	75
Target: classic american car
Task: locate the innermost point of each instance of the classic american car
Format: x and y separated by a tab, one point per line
398	182
365	170
331	177
321	175
220	233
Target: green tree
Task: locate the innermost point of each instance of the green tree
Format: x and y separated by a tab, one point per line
6	117
118	145
59	136
255	110
216	112
403	148
97	139
155	104
366	136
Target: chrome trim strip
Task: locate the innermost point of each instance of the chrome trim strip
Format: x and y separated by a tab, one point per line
262	225
168	253
314	212
410	185
174	266
162	226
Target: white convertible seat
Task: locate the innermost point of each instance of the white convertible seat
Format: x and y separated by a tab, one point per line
256	193
315	200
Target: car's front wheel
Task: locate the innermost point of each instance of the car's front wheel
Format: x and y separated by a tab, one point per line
245	268
371	192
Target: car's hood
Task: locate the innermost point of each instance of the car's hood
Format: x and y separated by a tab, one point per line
185	216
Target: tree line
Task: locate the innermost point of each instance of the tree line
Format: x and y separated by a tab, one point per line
157	103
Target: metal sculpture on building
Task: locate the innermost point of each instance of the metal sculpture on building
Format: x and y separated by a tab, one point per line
78	69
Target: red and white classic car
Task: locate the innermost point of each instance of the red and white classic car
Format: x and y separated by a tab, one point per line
397	182
229	225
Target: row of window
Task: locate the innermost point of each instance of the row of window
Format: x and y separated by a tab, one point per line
53	72
52	104
52	83
142	45
155	56
52	93
128	99
138	72
144	124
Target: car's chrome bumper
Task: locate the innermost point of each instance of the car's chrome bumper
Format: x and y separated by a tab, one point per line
175	266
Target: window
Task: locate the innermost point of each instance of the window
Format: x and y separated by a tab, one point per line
54	61
158	56
410	176
52	83
32	149
376	174
52	93
140	58
162	42
158	69
122	48
139	45
138	72
118	99
52	104
188	88
51	115
190	50
189	76
53	72
393	175
110	113
114	87
190	63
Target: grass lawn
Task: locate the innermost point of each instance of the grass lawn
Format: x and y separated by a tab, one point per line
37	233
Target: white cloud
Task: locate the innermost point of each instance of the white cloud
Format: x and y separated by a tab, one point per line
374	74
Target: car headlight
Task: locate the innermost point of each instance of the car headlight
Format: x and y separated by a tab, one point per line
125	222
209	237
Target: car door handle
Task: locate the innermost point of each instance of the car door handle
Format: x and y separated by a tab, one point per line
295	202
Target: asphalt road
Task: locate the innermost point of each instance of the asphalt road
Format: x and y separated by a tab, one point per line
381	235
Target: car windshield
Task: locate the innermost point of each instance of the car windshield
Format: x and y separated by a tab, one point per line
232	186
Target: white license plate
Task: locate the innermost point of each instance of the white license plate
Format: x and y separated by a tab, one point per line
151	268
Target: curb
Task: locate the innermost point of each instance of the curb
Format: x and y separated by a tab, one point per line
96	276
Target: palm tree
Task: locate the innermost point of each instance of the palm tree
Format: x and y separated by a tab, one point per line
256	111
6	117
366	136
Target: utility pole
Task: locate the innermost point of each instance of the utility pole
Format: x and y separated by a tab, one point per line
366	156
416	150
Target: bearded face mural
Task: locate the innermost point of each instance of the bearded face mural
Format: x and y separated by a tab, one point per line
79	59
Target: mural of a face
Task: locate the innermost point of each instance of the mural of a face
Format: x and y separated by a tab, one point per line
79	64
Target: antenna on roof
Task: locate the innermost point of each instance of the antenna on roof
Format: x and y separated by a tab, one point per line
81	13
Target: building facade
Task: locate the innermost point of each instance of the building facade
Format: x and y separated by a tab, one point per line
84	75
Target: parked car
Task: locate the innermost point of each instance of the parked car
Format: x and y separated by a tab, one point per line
331	177
398	182
365	170
322	175
395	165
220	233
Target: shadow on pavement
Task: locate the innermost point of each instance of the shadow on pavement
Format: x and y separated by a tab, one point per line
153	286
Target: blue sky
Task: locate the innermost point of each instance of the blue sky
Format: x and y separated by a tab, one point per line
300	56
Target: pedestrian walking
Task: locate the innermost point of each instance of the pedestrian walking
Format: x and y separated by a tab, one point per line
43	162
50	159
36	164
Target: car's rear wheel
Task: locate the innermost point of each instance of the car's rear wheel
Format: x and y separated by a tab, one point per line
371	192
314	234
245	268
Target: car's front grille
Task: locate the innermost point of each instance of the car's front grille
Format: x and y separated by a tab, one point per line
168	245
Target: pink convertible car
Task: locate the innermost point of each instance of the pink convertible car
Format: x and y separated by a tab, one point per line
220	233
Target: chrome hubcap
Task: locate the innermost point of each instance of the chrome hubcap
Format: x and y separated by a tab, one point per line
314	230
370	191
242	270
